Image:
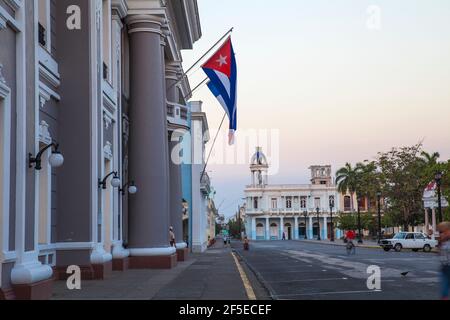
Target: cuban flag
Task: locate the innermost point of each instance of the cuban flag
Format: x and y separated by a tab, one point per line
222	72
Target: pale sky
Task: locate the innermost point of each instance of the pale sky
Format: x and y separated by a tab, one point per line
336	90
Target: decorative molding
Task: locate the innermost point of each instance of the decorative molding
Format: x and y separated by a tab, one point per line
5	18
107	150
14	4
2	22
98	14
107	119
121	7
2	77
44	133
45	94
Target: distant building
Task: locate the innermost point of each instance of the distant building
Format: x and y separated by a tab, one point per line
272	210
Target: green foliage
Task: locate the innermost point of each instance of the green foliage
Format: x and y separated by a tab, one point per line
347	221
400	175
234	226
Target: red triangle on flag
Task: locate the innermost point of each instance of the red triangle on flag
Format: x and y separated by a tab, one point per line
221	60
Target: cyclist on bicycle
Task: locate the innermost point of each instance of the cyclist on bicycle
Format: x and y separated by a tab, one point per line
350	236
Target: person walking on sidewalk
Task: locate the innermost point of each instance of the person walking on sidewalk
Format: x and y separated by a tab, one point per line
172	237
444	250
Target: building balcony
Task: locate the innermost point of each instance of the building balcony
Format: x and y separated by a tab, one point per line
177	115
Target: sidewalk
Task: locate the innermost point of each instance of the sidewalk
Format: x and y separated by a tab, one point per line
212	275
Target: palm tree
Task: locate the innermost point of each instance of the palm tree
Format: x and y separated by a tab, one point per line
430	159
347	180
369	183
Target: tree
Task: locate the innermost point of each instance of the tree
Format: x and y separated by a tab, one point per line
430	158
347	221
402	182
368	181
347	180
233	225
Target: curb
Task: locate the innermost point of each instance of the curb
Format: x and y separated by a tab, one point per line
257	275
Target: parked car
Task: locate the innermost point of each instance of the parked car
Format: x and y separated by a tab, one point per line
409	240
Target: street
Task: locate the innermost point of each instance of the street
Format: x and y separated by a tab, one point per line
296	270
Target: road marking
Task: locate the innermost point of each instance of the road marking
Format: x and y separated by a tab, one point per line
305	280
248	287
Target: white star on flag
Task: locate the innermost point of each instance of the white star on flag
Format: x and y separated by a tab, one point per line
222	60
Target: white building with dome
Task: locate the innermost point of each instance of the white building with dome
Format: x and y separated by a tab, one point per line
295	210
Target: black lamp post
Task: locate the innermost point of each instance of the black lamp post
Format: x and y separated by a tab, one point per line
359	222
130	186
305	214
331	216
318	224
56	159
438	179
379	215
115	182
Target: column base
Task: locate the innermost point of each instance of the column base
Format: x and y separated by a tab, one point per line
121	264
7	294
182	254
87	273
153	262
103	270
41	290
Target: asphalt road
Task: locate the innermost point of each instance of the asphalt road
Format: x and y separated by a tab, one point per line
296	270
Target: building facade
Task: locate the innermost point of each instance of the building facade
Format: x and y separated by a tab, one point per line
291	212
92	95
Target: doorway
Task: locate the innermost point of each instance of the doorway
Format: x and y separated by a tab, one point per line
288	231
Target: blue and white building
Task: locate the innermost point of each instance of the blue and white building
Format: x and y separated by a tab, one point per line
295	210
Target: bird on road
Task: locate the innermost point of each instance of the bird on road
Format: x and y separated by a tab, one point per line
404	273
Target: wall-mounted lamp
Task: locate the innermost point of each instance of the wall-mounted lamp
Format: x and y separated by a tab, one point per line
55	160
115	182
132	189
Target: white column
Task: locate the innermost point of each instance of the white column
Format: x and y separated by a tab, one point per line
267	229
253	228
325	228
296	228
310	228
427	222
281	227
433	221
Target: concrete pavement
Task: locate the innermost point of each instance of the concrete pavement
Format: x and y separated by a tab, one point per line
212	275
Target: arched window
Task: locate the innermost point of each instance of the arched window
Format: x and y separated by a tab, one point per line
288	202
274	231
347	203
301	230
315	229
362	203
260	232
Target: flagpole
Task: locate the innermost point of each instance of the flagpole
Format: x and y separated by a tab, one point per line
203	56
212	147
197	87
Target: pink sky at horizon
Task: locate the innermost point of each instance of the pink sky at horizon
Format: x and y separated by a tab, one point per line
337	91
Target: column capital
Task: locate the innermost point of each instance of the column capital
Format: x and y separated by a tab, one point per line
174	70
145	23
